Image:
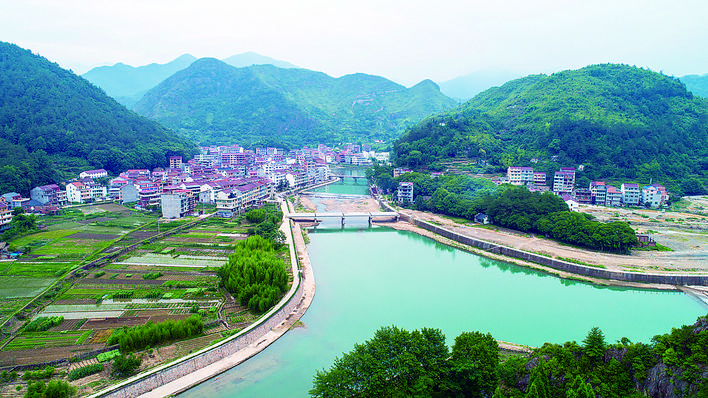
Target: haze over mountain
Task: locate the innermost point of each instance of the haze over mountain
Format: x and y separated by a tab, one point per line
53	120
211	101
618	121
465	87
127	84
697	84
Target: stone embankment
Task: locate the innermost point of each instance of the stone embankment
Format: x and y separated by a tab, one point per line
560	265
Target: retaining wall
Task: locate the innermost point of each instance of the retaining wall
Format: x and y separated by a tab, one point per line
212	354
667	279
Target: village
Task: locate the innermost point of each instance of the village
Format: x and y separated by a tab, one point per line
230	177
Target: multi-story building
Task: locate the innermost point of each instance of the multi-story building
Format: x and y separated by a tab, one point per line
175	162
5	214
93	174
229	202
539	178
651	196
85	191
49	195
564	180
598	189
614	197
177	204
405	192
630	194
520	175
583	195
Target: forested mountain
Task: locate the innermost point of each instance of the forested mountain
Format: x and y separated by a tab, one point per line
697	84
214	102
617	121
127	84
51	119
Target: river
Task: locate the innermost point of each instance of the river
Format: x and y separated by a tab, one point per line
370	277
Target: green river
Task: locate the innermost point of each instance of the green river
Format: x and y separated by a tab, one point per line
369	277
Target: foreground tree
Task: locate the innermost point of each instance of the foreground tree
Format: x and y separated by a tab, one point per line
394	363
474	362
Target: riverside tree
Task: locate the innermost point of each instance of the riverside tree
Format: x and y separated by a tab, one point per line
255	274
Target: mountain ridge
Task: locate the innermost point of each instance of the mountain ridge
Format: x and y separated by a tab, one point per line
53	120
302	106
616	120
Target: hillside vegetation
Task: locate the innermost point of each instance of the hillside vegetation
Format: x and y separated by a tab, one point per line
52	120
211	101
617	121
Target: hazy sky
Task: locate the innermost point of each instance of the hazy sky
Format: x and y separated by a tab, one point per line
403	40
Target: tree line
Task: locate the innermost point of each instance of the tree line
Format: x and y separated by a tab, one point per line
399	363
153	334
509	206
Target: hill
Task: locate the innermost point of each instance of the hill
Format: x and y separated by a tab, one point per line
53	121
467	86
251	58
697	84
127	84
211	101
617	121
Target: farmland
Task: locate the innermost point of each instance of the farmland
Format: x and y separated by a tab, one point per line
151	275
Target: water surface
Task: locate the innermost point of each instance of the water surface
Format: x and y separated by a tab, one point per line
370	277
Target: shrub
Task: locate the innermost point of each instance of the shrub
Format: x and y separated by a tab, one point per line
84	371
125	365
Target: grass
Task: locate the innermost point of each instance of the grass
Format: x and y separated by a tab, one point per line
22	286
36	269
45	339
658	248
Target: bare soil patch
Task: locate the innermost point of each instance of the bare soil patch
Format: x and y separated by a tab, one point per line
689	258
114	323
68	324
38	355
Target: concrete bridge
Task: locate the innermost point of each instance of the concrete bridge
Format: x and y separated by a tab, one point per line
326	195
319	216
342	176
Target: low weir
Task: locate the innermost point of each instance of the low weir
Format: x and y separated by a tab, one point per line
319	216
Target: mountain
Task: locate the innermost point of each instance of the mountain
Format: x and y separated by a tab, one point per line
467	86
617	121
250	58
697	84
127	84
54	121
213	102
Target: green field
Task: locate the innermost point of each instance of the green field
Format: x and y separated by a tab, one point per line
22	286
26	341
39	269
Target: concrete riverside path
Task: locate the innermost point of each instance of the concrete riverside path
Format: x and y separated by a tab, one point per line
159	382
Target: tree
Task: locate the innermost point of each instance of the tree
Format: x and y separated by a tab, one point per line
125	365
474	362
594	345
693	186
394	362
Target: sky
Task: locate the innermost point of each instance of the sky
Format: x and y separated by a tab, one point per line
403	40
